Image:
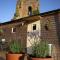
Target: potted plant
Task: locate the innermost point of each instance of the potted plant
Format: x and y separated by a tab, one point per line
15	50
40	51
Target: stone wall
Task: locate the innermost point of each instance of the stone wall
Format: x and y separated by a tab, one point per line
22	8
49	33
20	34
57	20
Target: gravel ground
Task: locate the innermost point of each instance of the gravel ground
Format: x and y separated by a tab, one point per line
1	58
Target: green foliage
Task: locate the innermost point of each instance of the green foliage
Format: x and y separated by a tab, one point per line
17	12
40	49
1	30
15	47
35	12
15	15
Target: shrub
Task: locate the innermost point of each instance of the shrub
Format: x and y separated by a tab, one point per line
40	49
35	12
15	47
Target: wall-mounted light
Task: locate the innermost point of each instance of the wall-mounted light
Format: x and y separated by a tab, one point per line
3	40
50	49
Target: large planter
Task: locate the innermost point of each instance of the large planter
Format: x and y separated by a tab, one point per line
42	58
13	56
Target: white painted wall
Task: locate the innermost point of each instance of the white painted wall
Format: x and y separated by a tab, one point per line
31	35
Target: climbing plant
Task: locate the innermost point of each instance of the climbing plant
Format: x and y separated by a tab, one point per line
1	30
36	12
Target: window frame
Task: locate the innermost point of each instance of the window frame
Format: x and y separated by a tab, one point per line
34	27
13	31
30	11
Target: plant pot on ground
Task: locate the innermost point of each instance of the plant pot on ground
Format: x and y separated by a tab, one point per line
15	50
40	51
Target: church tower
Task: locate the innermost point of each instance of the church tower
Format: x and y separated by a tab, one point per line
26	8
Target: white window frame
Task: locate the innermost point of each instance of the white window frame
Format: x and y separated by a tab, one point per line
36	27
13	30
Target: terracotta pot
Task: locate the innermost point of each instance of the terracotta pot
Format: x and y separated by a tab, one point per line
13	56
42	58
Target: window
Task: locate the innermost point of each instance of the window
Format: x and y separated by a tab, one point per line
34	26
29	10
13	30
46	27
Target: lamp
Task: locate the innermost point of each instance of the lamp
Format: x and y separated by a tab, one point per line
3	40
50	49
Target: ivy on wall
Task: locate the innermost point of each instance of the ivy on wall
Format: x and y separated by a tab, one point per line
1	30
17	12
35	12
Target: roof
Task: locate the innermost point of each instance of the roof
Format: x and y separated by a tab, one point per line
25	19
29	18
50	12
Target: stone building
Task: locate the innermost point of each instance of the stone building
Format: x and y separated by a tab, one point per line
28	7
27	22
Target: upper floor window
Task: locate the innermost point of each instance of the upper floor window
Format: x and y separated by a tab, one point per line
29	10
34	26
13	30
46	27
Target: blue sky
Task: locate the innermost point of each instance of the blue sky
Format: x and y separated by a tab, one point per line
7	8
